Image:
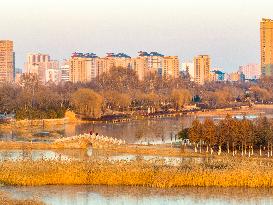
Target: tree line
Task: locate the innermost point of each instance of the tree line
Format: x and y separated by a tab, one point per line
120	91
232	135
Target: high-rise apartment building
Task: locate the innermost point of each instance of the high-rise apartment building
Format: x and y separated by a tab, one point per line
6	61
53	75
251	71
33	62
64	67
83	67
170	68
37	64
14	69
52	72
119	60
139	65
42	66
154	62
86	67
202	64
77	70
266	35
104	65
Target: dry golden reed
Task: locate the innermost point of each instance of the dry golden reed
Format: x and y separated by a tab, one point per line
226	172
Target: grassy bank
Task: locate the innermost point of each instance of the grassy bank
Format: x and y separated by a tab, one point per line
223	172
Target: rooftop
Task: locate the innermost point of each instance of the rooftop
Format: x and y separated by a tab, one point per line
84	55
118	55
144	53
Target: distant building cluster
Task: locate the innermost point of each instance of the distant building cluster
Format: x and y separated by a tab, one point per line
85	67
217	74
251	71
41	65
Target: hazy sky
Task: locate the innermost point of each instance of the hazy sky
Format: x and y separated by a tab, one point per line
228	30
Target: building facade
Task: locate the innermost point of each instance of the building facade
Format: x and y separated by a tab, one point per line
140	66
234	77
83	67
6	61
170	67
118	60
64	73
37	64
34	61
266	35
217	75
86	67
202	64
77	70
53	76
251	71
154	61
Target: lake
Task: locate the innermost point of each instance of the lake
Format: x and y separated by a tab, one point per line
153	131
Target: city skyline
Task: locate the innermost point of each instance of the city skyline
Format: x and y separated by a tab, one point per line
230	31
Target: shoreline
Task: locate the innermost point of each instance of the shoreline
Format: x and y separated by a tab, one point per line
62	121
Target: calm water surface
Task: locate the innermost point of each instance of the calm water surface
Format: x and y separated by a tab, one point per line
137	131
103	195
142	131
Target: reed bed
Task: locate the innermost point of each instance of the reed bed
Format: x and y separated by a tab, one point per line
5	199
224	172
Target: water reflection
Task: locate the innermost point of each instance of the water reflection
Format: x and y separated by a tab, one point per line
104	195
31	154
148	131
135	131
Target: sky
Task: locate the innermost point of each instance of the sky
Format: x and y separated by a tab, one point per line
227	30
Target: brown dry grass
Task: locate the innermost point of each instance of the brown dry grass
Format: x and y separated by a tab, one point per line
159	150
224	172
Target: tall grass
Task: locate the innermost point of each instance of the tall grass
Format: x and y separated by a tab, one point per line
224	173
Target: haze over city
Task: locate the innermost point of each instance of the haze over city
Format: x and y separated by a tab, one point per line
228	32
